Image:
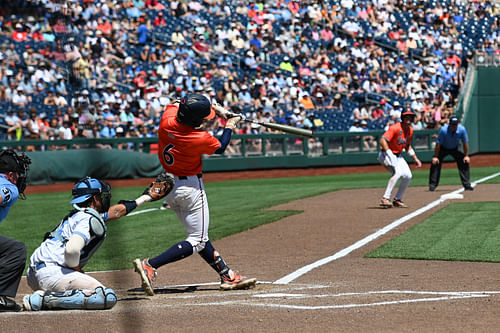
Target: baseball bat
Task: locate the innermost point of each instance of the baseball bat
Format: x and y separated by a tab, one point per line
278	127
281	128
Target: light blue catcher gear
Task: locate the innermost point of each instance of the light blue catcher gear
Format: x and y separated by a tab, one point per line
87	187
100	299
97	228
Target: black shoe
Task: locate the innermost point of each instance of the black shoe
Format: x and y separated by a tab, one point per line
8	305
432	188
468	188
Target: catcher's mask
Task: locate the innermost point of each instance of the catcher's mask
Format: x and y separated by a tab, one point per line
11	161
193	109
88	187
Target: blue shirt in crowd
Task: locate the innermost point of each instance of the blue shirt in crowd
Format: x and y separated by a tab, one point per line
449	139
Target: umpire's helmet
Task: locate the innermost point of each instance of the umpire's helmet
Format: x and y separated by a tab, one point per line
87	187
11	161
193	109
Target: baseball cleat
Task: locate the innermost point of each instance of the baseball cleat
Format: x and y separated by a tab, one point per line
238	282
8	305
385	203
399	204
147	273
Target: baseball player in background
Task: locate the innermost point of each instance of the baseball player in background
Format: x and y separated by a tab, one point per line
55	272
447	143
397	137
181	145
13	173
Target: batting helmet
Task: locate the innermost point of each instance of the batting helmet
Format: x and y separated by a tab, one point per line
11	161
87	187
408	113
193	109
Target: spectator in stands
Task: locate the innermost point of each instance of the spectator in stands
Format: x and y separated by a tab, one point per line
14	123
108	130
34	125
19	98
360	113
306	101
378	112
50	99
336	101
201	48
142	32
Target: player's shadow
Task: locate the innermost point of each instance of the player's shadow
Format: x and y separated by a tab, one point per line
168	290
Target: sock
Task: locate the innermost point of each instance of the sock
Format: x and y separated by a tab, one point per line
214	259
177	252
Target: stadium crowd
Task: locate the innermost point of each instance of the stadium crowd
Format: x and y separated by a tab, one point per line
107	68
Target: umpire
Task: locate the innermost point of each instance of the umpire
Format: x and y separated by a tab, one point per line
447	143
13	171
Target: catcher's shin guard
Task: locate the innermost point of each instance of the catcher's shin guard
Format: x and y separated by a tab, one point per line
100	299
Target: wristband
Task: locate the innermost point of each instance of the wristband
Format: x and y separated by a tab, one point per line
130	205
142	199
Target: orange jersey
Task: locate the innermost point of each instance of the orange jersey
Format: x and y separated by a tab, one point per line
181	146
397	138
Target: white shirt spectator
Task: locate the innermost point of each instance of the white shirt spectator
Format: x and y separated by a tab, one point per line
351	26
347	4
65	133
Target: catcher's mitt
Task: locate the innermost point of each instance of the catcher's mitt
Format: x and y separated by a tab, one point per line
163	184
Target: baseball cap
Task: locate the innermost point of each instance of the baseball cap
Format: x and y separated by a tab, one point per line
453	120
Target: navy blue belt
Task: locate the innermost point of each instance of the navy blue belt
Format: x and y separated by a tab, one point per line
186	177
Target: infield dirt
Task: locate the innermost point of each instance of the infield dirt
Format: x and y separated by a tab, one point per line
351	294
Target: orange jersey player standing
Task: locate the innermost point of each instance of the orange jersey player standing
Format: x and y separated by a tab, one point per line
396	139
182	144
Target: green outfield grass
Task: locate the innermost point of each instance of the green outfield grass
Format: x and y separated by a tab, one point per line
235	206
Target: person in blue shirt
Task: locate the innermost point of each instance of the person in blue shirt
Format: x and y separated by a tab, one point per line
142	33
13	172
447	143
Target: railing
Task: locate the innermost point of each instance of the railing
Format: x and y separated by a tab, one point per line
486	60
321	144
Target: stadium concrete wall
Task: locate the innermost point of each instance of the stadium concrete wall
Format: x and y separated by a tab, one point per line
482	115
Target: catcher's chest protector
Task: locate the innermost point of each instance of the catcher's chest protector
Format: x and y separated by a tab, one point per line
97	228
97	234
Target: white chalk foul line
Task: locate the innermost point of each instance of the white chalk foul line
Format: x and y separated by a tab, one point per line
142	211
303	270
439	296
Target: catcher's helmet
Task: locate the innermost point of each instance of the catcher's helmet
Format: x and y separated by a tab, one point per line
87	187
11	161
193	109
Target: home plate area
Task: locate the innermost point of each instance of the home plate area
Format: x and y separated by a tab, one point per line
288	296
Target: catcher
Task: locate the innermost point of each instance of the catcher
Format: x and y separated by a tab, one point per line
55	272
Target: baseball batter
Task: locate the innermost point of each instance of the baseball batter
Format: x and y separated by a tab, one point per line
396	139
182	144
55	272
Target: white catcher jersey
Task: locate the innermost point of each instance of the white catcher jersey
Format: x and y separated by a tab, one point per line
51	251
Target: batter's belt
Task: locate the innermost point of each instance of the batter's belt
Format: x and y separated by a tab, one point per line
186	177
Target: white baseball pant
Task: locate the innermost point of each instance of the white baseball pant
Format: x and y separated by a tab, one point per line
188	200
399	170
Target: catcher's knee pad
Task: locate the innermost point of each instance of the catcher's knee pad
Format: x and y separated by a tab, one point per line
100	299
